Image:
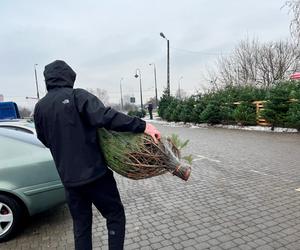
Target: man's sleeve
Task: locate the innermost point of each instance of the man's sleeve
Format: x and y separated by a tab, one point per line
96	114
38	129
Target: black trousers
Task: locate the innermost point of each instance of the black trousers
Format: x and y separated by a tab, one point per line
103	193
150	113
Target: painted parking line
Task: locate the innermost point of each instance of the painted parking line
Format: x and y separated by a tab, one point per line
297	189
202	157
259	172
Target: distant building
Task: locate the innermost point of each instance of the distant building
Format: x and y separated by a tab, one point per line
1	98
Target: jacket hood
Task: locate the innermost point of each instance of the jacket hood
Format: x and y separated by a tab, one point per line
59	74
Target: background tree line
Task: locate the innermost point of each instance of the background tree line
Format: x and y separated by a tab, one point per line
234	105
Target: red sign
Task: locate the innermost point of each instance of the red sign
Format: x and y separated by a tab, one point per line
295	76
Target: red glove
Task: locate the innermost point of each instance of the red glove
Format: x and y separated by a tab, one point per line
152	131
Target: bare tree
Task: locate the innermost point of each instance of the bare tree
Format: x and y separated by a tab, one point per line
241	67
294	6
129	106
277	60
211	76
181	94
258	63
151	100
101	94
126	98
24	112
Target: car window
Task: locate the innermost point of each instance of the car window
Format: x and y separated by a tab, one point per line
17	128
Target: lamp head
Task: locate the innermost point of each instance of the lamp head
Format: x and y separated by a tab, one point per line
162	35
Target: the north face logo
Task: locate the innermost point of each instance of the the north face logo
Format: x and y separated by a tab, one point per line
66	101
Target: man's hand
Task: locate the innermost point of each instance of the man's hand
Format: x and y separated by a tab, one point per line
153	132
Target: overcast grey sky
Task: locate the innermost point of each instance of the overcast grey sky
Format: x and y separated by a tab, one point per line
106	40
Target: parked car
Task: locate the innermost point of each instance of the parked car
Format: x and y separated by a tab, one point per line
9	110
19	124
29	182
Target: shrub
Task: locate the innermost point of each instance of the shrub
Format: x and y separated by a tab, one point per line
198	109
245	114
293	116
217	106
171	111
227	114
137	113
187	110
164	104
211	114
277	105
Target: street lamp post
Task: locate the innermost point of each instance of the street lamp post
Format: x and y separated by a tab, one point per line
168	62
36	83
179	94
139	74
155	81
121	93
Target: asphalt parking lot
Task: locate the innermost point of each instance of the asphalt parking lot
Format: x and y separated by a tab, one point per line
244	193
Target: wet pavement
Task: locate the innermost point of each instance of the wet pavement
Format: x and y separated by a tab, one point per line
242	194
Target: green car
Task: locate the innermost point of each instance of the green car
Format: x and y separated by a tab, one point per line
29	182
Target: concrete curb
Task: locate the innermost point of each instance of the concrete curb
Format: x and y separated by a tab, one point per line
158	120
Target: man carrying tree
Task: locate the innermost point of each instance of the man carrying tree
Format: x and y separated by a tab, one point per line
66	121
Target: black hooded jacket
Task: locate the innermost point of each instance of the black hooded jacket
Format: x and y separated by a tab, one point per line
66	121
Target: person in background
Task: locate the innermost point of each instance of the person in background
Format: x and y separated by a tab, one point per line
66	122
150	108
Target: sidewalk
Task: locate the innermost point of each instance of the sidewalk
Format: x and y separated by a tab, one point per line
158	120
